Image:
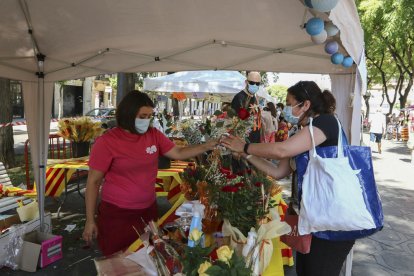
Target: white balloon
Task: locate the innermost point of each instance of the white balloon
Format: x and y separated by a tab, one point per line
320	38
331	29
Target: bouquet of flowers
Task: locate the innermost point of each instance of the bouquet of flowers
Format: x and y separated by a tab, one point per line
202	261
238	124
192	177
81	129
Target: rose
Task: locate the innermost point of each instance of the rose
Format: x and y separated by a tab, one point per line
231	176
243	114
224	253
224	171
258	184
195	235
239	185
203	268
230	189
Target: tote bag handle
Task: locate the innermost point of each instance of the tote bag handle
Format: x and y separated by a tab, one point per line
340	141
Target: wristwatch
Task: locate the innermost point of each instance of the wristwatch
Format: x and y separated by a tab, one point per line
246	148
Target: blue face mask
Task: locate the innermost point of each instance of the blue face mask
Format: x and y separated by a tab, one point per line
287	114
141	125
253	88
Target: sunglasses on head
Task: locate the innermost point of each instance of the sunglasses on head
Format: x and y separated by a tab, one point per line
254	83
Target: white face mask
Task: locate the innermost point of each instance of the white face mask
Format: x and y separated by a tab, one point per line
141	125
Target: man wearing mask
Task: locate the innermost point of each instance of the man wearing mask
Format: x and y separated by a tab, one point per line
247	97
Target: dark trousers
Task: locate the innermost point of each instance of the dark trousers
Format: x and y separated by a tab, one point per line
324	259
116	226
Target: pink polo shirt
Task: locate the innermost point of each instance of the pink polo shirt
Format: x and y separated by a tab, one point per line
130	164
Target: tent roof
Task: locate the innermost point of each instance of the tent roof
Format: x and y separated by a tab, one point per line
217	82
84	38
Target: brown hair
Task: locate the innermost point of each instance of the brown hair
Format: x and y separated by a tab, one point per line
272	109
321	102
128	108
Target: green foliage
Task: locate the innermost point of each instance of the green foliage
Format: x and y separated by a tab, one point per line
236	267
193	257
278	91
389	40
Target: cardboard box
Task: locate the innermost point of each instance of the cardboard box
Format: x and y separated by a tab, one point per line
30	226
40	249
9	221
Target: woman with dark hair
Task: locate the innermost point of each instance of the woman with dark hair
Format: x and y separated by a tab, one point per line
269	123
125	161
304	100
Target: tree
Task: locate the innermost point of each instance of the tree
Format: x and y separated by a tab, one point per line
6	133
389	39
278	91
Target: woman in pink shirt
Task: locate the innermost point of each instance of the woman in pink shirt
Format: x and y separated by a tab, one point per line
125	161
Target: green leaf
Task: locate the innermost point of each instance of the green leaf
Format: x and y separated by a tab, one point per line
218	112
231	113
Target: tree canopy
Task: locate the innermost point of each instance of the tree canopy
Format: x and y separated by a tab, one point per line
389	43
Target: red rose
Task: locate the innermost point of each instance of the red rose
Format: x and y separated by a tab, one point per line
224	171
249	171
258	184
231	176
243	114
229	189
239	185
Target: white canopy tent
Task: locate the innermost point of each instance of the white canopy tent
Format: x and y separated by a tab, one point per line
222	83
203	83
43	41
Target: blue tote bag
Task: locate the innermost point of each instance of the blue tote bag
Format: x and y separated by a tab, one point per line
360	159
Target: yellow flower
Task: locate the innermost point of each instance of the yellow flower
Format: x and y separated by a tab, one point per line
203	268
195	235
224	253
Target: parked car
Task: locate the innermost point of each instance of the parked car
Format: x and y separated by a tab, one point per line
104	115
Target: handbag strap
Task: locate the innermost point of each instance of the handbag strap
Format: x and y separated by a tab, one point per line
312	152
340	145
340	142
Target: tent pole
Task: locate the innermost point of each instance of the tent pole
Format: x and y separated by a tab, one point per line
42	168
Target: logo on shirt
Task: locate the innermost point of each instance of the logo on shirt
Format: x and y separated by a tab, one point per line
152	149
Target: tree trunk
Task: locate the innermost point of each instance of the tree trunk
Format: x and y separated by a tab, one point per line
366	100
6	133
176	108
125	84
403	97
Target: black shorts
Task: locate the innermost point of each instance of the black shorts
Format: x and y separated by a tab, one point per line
376	137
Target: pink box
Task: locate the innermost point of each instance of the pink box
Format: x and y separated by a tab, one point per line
40	249
51	251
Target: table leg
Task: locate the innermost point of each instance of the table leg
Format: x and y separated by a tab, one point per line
78	183
66	192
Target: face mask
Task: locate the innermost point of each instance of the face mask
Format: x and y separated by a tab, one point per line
253	88
287	114
141	125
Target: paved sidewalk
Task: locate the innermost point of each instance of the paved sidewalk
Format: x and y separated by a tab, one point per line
390	251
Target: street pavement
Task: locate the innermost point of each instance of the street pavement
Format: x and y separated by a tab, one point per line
388	252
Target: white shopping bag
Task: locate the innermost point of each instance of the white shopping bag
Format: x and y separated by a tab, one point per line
332	197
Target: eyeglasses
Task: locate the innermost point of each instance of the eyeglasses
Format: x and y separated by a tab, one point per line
306	91
254	83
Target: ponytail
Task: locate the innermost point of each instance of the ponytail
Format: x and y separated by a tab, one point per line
329	102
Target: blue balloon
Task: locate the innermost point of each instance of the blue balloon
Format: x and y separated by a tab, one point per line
321	5
331	47
347	62
337	58
314	26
